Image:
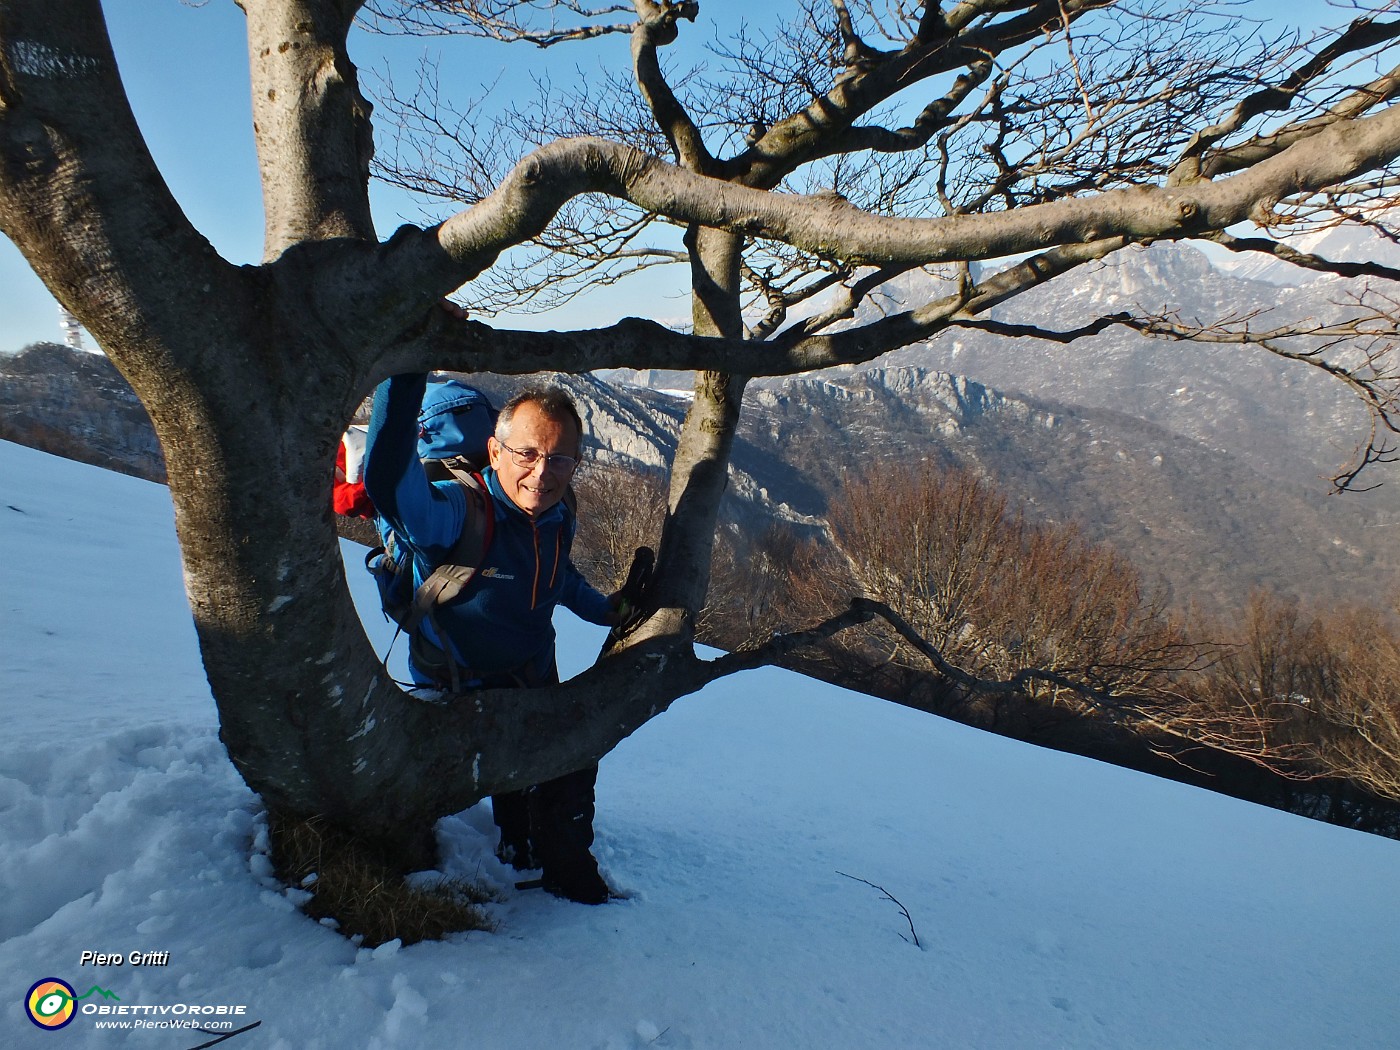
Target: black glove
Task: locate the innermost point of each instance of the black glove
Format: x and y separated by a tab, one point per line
633	598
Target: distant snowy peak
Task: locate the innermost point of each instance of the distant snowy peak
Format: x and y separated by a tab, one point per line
1354	244
1154	277
1150	277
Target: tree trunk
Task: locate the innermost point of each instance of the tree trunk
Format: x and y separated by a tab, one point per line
250	375
308	714
700	472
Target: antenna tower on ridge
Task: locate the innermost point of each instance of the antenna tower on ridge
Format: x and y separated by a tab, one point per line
72	330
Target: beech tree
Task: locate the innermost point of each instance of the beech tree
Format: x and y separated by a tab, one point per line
1051	132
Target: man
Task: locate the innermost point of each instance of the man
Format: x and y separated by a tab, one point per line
499	632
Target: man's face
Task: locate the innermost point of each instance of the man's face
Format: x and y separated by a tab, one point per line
534	489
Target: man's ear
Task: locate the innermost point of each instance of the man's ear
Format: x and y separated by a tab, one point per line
493	450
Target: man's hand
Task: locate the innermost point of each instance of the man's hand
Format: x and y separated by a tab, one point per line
622	608
629	602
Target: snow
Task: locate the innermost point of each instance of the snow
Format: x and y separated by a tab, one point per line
1058	902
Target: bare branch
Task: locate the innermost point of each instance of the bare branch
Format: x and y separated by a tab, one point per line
1069	335
554	174
1305	260
1201	160
1358	351
1048	138
638	343
1018	681
843	305
1363	34
893	900
510	21
656	27
873	80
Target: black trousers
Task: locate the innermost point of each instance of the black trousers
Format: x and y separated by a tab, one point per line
550	823
553	821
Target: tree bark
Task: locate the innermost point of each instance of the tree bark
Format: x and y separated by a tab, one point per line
700	472
310	122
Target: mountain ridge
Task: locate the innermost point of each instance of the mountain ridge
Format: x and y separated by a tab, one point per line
1203	465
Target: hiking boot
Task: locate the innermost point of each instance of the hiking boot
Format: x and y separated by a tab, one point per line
579	882
516	854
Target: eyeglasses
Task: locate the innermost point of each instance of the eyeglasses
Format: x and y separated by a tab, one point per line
529	457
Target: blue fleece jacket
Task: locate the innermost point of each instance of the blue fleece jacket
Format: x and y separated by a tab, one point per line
503	620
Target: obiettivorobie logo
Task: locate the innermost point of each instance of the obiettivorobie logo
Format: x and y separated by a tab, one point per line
52	1003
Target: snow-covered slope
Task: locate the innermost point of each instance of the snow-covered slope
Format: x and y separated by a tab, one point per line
1057	902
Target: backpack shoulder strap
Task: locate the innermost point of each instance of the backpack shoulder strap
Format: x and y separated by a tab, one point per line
449	579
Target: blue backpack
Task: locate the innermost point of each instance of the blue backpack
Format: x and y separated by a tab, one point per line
453	425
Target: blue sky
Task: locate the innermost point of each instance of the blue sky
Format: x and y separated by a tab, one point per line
185	69
186	74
